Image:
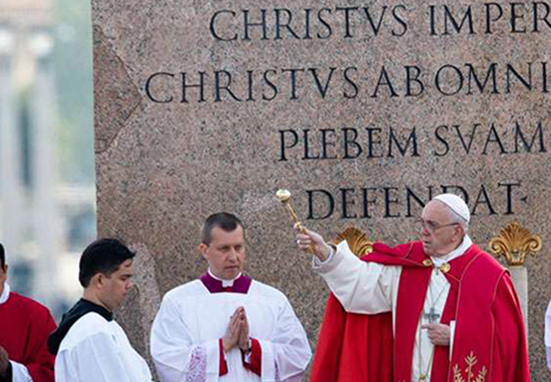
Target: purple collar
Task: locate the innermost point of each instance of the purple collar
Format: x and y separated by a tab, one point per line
240	285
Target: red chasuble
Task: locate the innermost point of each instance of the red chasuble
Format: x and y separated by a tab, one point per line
489	343
25	326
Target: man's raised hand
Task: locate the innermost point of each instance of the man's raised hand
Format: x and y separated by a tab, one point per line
307	240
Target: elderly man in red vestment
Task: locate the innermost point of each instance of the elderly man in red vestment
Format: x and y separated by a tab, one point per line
439	309
24	329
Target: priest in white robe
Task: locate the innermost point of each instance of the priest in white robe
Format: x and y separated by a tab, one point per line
89	345
226	326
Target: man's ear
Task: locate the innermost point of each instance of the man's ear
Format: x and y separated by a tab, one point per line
4	270
460	231
203	248
97	281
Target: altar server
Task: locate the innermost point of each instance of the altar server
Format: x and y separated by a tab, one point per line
90	345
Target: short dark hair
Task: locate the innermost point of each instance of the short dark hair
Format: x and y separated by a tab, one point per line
224	220
102	256
2	256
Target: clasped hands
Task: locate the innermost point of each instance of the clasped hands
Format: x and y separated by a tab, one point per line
237	332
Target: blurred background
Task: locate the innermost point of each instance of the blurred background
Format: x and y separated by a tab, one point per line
47	189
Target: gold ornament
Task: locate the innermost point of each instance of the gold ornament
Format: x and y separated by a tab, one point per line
357	240
284	196
515	242
470	360
445	268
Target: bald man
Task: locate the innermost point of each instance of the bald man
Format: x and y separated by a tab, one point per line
451	304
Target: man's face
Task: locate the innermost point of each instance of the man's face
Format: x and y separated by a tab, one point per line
438	234
225	253
3	277
115	287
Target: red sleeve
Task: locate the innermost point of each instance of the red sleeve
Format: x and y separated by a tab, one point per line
255	360
38	359
223	364
510	361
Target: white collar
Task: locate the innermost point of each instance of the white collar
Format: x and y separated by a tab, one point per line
5	294
225	283
465	245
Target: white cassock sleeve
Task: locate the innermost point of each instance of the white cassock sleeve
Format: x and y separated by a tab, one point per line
95	359
175	356
286	356
548	335
360	287
20	372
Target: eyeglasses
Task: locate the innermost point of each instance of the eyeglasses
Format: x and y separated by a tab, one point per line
431	226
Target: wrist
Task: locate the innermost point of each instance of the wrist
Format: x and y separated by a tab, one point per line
226	347
247	346
325	252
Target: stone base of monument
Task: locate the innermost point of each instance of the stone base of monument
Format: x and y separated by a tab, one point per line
364	110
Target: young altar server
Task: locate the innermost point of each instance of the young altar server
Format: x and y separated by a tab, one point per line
90	345
225	326
24	329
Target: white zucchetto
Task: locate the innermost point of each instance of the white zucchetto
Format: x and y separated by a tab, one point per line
456	204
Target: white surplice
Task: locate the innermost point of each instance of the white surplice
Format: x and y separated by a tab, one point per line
371	288
547	338
97	350
187	329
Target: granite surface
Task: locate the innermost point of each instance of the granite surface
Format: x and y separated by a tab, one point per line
362	109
